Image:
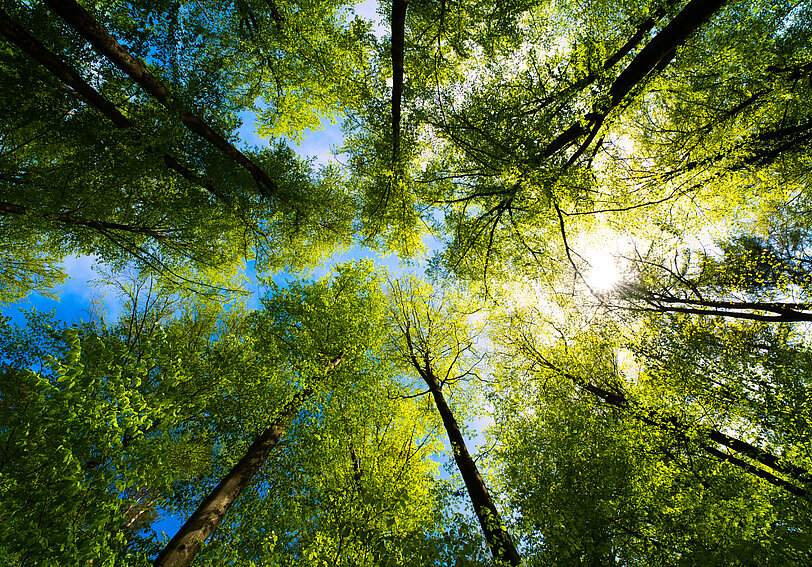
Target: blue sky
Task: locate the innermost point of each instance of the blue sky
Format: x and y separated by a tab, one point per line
84	296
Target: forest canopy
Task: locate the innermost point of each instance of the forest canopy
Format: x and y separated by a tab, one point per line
601	360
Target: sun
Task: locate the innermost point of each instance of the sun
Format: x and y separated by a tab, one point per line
603	273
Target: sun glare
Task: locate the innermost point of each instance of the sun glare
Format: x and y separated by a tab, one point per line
603	272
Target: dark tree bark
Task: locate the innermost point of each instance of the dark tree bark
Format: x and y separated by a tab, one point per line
64	72
671	424
496	535
655	55
70	77
661	49
398	40
652	417
277	17
67	218
84	23
642	29
780	312
182	548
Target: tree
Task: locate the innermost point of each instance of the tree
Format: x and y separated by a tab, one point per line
91	427
151	413
672	410
141	177
433	340
752	279
570	417
502	157
513	156
352	485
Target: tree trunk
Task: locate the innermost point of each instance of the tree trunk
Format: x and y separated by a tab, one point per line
70	77
661	49
782	312
22	39
398	40
656	54
182	548
497	536
651	417
87	26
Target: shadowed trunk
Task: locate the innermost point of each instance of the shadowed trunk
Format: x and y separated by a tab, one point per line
70	77
782	312
655	55
671	424
661	49
497	536
277	17
182	548
398	40
87	26
652	417
22	39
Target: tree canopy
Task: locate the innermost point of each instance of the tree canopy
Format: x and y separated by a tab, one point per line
492	406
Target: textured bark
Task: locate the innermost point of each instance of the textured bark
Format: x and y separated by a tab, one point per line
84	23
497	536
398	40
655	55
64	72
182	548
67	218
661	49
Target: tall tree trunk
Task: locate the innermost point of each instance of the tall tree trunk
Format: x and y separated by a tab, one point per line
397	52
776	311
497	536
418	341
655	55
98	36
182	548
73	79
64	72
661	49
653	417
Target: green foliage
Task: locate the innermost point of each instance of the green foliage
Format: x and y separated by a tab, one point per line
354	486
525	129
646	493
155	195
87	439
